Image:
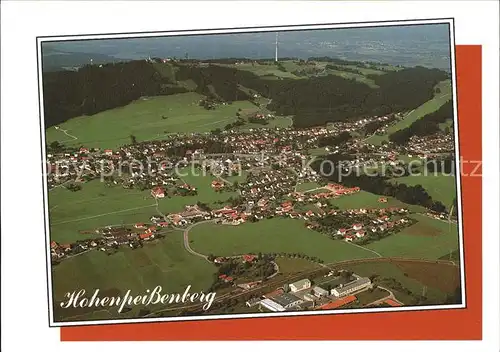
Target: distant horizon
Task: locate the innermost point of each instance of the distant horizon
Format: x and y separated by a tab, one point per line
425	45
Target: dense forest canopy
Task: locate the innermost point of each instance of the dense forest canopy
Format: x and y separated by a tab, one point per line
313	101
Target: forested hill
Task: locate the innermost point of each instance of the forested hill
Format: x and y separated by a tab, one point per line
92	89
313	100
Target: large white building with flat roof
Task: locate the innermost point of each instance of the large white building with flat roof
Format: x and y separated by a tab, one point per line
344	290
271	305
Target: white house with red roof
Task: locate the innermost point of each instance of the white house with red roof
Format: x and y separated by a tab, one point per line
341	232
360	233
357	227
158	192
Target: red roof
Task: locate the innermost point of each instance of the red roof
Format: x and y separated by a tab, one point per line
338	303
163	223
53	244
158	190
392	303
222	276
248	257
145	235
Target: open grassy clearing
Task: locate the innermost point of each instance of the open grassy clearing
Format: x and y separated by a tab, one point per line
263	70
367	297
368	200
97	205
295	265
163	262
273	235
356	76
143	119
427	239
424	109
440	187
317	151
306	186
205	192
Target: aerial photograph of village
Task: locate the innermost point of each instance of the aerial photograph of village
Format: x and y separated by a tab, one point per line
285	171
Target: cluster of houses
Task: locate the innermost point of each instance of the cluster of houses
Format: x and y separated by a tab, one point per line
373	221
436	143
110	238
301	295
88	163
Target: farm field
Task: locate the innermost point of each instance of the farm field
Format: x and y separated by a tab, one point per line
143	119
440	187
364	199
427	239
271	235
424	109
163	262
97	205
306	186
93	206
414	280
350	75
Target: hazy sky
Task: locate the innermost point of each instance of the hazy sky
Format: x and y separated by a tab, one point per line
411	45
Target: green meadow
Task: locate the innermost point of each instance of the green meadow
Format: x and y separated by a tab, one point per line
272	235
440	187
143	119
163	262
427	239
363	199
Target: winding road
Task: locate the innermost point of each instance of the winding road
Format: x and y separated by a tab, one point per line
66	133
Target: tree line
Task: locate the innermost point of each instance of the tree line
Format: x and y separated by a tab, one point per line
427	125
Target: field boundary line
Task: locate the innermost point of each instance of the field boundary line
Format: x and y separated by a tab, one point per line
97	216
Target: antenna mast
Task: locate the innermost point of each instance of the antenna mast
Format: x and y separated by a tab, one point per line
276	49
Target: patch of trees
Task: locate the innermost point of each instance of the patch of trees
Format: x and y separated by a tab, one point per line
343	68
427	125
239	122
73	187
373	126
256	120
334	140
93	89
